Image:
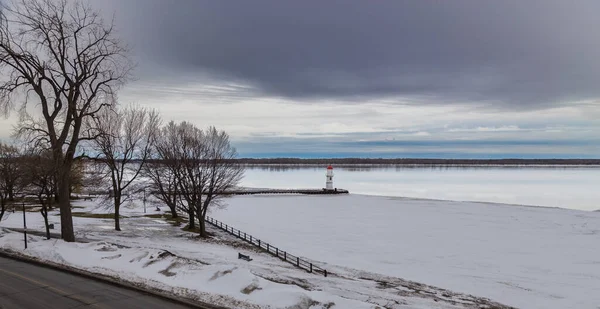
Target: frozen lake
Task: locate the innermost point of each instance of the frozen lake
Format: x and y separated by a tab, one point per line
566	187
412	227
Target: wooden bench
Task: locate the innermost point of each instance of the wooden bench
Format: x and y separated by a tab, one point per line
244	257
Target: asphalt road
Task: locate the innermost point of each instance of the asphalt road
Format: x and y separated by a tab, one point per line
28	286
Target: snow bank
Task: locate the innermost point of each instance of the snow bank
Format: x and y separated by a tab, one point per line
219	284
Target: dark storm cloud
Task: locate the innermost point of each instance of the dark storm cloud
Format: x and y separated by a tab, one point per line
517	54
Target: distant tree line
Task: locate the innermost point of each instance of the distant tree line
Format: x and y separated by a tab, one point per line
415	161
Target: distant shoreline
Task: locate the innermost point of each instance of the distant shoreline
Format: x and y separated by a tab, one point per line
420	162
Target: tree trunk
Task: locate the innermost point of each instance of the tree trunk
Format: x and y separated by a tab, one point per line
202	227
44	212
2	208
192	224
66	219
47	226
117	224
55	190
173	213
117	207
173	205
202	214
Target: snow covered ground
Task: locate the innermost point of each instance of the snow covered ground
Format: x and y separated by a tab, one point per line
153	252
527	257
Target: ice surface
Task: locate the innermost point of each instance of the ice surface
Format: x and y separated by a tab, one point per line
566	187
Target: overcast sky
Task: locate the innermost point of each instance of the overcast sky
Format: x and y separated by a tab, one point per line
466	79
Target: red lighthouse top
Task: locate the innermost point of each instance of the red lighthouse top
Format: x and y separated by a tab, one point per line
330	167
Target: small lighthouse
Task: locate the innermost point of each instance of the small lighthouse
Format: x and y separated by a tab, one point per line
329	178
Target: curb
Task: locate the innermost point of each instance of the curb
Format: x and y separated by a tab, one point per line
115	281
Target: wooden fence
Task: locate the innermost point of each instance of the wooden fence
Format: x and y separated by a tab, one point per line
284	255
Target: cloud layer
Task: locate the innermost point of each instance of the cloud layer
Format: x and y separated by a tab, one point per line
511	54
361	78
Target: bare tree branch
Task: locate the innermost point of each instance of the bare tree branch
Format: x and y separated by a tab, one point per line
124	140
197	166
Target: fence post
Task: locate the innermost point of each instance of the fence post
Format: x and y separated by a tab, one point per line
268	249
239	234
259	243
285	255
325	272
277	251
251	238
244	236
298	261
311	267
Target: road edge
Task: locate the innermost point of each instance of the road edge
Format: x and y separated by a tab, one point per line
115	281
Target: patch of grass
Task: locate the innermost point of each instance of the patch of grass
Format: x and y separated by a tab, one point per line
31	205
169	219
251	288
188	229
155	216
219	273
175	221
96	216
167	272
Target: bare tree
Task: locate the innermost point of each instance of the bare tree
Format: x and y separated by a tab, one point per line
11	175
41	177
61	60
163	183
188	153
124	142
202	166
166	172
221	172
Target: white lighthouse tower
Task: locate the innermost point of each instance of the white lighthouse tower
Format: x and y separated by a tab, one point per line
329	178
